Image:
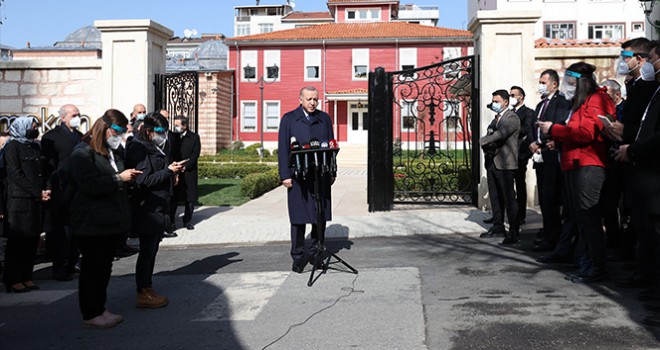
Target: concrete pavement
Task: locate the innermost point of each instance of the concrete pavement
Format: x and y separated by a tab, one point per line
265	219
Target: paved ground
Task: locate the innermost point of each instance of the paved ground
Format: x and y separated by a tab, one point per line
425	281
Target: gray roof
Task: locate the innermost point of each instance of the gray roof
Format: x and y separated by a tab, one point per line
87	37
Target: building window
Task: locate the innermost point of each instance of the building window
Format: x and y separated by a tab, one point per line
312	65
360	64
363	15
406	67
637	26
452	70
272	64
408	111
265	28
272	115
249	114
242	29
560	31
408	60
606	31
248	65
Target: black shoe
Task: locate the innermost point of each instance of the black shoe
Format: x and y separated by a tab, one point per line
170	235
298	266
488	220
492	232
171	228
509	240
544	247
592	276
552	259
189	226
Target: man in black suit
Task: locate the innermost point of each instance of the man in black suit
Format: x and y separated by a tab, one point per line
642	153
553	107
57	146
189	146
526	134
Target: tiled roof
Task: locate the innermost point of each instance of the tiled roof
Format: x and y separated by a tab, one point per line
297	15
349	92
378	30
558	43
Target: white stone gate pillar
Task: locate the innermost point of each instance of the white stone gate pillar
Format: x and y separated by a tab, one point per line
133	53
504	46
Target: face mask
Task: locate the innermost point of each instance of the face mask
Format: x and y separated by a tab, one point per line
140	116
178	129
648	72
114	141
32	134
569	92
622	68
75	122
159	140
513	101
543	90
496	107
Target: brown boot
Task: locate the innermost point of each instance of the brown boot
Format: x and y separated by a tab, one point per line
147	298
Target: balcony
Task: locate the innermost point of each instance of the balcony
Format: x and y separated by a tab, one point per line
409	12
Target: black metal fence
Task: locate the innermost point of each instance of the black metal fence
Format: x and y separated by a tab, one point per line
178	94
420	141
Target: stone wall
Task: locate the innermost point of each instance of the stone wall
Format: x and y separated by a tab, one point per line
215	110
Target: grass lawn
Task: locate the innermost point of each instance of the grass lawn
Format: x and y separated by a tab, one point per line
220	192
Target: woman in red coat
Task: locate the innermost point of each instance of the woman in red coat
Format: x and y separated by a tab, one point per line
584	156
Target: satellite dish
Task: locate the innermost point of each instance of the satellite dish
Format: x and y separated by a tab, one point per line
194	32
187	33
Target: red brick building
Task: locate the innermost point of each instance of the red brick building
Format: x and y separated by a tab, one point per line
336	59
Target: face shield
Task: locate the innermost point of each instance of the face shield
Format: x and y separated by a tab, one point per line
569	84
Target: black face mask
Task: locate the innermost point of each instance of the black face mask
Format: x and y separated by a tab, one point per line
32	134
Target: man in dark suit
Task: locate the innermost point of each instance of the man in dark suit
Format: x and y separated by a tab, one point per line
57	146
526	134
189	148
304	123
501	146
553	107
643	154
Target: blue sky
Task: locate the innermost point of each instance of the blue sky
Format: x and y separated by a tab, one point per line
43	22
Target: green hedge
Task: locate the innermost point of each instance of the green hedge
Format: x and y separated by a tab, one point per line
231	170
254	185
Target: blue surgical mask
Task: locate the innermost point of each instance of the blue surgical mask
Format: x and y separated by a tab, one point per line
496	107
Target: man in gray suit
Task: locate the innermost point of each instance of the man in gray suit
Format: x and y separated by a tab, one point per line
500	147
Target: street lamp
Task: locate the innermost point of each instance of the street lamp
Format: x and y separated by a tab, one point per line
647	5
273	72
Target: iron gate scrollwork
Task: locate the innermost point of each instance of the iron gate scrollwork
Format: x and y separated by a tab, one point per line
431	112
178	94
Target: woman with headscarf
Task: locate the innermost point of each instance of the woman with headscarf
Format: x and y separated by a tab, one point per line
150	201
584	157
100	213
26	190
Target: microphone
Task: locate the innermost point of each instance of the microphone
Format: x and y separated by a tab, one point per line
324	145
333	144
295	146
306	146
315	144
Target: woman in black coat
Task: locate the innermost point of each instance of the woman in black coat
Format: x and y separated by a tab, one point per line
150	200
25	194
100	213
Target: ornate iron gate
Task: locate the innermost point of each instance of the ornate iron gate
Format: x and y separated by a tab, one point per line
178	94
420	143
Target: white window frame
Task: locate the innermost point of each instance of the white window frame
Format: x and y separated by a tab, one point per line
551	24
275	116
360	58
312	59
408	109
272	57
368	11
266	28
242	29
606	27
243	114
249	57
452	70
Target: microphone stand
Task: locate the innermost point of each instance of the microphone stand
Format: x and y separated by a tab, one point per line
321	256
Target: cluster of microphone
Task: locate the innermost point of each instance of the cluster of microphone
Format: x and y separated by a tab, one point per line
314	155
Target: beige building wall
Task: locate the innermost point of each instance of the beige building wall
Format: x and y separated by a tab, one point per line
215	110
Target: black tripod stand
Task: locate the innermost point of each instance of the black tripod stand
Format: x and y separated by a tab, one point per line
324	163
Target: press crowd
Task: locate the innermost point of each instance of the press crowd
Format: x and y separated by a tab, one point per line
597	161
89	193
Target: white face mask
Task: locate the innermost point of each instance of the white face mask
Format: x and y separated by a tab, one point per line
178	129
569	91
622	67
513	102
75	122
543	90
648	71
114	141
159	140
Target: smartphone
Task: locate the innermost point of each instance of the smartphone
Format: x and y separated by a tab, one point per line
184	161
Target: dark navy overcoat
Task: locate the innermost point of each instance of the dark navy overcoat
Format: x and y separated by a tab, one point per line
302	205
